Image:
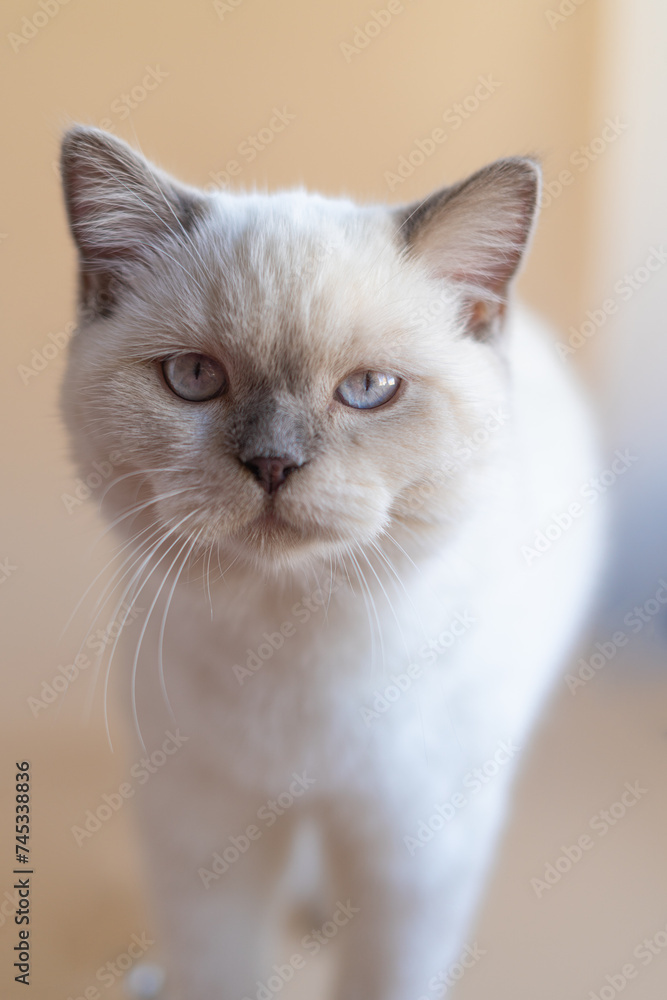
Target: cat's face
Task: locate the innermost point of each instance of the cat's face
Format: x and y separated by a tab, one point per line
283	374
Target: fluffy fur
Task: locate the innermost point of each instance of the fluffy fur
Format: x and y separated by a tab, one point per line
396	521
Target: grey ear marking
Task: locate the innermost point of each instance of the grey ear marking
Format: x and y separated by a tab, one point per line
475	233
120	209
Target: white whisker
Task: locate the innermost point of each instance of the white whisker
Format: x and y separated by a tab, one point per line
388	600
191	542
133	511
163	624
134	597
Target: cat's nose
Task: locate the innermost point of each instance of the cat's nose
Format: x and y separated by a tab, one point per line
271	472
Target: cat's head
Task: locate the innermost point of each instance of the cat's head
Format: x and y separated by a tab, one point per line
286	376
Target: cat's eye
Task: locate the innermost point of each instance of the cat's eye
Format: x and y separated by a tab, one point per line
366	390
194	377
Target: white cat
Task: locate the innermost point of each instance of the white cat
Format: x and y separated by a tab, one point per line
337	455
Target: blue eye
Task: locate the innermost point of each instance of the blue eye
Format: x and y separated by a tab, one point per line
366	390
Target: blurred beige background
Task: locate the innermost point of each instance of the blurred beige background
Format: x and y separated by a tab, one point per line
581	84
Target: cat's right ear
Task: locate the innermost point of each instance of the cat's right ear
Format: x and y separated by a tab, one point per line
121	209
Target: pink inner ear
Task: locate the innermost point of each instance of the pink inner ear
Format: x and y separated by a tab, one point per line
487	258
475	233
483	318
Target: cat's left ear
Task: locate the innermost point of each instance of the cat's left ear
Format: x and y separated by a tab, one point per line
475	234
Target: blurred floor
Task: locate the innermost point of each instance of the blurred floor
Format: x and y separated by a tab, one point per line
539	943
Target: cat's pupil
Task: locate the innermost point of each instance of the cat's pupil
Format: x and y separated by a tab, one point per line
368	381
197	369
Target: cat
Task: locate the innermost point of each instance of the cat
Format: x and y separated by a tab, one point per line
337	440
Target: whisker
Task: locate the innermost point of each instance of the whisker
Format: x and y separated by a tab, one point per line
146	555
388	600
163	624
147	503
192	542
96	578
135	594
154	530
138	472
208	578
121	573
369	604
390	566
401	549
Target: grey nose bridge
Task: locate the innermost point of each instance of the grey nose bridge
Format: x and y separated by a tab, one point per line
269	428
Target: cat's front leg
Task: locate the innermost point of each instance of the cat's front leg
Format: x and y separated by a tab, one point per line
215	876
411	904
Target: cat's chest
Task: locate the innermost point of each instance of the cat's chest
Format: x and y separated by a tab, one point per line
316	686
328	676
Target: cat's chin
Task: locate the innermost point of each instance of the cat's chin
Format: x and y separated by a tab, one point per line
275	557
272	543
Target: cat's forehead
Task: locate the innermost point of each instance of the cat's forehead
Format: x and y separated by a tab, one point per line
296	213
290	239
294	279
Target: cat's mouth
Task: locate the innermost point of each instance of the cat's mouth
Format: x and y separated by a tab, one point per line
270	520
